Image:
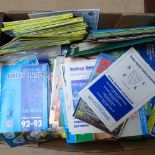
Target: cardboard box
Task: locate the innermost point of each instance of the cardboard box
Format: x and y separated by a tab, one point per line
107	20
104	5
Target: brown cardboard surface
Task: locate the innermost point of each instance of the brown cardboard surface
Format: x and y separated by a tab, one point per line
42	151
101	146
134	20
149	6
104	5
96	146
108	20
1	21
120	20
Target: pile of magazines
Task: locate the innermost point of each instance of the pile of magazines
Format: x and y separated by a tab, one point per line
61	77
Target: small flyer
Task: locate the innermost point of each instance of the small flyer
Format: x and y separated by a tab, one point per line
121	89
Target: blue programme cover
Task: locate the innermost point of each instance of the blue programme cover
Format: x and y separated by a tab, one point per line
70	138
147	51
24	98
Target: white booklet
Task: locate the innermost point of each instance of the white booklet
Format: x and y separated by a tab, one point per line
121	89
55	86
76	76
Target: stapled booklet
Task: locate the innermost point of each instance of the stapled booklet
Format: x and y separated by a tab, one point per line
24	98
121	89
